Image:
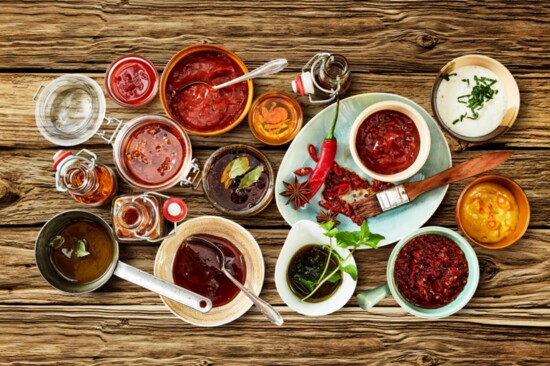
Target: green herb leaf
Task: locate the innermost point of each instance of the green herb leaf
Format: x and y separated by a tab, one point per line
236	167
251	177
310	285
346	239
351	270
475	101
56	242
80	249
334	278
373	240
330	230
448	76
365	231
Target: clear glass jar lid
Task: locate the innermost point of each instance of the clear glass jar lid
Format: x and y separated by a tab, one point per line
70	110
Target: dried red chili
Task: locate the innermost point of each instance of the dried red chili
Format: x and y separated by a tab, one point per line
336	169
303	171
312	152
342	188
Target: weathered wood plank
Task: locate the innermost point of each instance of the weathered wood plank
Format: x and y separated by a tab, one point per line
517	277
26	176
150	335
378	37
18	127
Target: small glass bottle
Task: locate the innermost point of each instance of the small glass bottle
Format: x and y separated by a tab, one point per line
86	180
144	217
324	76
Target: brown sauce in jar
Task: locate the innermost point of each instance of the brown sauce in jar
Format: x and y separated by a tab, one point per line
196	268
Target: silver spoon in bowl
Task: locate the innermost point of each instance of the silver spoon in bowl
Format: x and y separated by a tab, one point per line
266	309
272	67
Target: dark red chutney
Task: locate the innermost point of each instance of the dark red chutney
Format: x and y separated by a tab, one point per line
196	268
387	142
199	107
430	271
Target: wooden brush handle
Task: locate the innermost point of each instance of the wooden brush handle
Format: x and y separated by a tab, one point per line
457	173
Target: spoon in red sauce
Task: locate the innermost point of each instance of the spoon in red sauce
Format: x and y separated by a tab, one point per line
272	67
219	264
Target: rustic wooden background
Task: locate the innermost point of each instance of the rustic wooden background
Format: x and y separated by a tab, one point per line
395	47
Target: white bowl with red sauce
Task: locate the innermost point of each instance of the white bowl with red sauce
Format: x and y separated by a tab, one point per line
432	273
390	141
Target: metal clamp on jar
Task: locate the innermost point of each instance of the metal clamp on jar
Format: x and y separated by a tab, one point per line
324	76
145	217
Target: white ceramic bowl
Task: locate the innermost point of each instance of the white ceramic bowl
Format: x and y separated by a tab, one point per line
306	232
423	131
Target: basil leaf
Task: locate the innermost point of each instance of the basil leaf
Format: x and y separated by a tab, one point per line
251	177
351	270
327	226
346	239
373	240
365	231
80	249
310	285
334	278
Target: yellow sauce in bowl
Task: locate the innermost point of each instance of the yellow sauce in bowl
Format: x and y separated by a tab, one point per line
489	212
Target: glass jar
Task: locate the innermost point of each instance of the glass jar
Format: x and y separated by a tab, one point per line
153	153
324	76
145	217
86	180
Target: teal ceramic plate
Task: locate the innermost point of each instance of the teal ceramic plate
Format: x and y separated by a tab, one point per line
394	224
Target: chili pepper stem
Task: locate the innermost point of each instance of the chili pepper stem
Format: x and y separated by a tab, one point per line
330	135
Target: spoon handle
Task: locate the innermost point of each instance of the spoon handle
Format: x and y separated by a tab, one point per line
266	309
272	67
162	287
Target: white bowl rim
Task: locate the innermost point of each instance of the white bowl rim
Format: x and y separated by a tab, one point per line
423	131
333	303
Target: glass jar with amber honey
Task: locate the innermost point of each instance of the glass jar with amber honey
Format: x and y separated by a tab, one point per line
146	216
84	178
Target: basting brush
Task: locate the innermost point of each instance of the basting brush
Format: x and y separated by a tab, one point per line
409	191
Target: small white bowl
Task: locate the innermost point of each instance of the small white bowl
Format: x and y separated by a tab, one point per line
423	131
306	232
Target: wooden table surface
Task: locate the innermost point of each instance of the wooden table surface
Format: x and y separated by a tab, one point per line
396	47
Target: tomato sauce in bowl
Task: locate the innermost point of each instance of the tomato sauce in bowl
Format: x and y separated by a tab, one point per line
430	271
199	108
388	142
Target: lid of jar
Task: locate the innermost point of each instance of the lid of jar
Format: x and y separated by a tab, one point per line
60	156
132	81
70	110
303	84
174	209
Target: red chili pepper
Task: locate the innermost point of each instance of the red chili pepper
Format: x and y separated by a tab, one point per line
328	153
303	171
312	152
342	188
336	169
325	205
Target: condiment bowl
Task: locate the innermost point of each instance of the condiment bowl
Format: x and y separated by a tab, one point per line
244	242
523	205
370	298
419	122
207	172
303	233
511	91
178	57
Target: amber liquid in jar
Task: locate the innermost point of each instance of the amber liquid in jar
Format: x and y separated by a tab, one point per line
95	186
333	71
138	217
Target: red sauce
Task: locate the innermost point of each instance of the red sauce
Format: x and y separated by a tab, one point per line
196	268
132	81
200	108
154	154
430	271
387	142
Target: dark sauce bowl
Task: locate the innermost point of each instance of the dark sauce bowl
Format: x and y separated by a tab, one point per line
214	188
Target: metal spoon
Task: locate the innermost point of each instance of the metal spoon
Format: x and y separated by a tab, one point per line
272	67
266	309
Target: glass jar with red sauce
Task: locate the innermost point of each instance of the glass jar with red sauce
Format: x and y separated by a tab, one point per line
198	108
153	153
132	81
145	217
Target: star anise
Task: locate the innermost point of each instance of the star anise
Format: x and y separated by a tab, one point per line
296	192
326	216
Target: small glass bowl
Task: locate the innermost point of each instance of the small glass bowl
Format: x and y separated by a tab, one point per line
208	173
267	109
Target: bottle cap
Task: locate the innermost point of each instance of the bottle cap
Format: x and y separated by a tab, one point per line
303	84
60	156
174	209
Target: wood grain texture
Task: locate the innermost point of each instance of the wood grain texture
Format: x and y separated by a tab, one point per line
27	175
518	277
18	126
379	37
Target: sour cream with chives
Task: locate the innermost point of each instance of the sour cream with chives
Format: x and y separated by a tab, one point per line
453	100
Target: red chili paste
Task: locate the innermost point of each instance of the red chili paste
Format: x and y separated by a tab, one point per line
199	107
132	81
430	271
387	142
